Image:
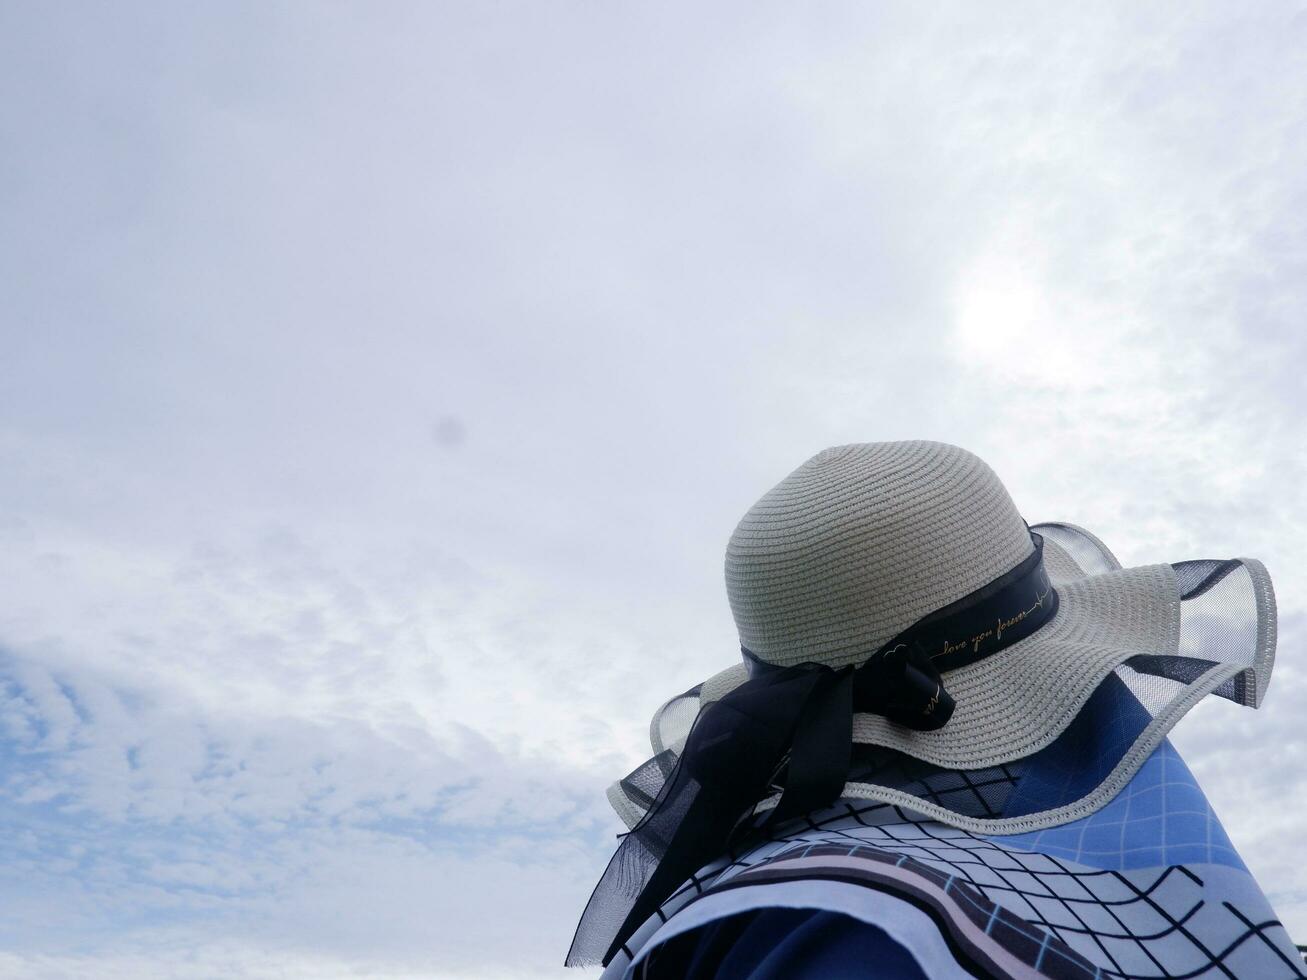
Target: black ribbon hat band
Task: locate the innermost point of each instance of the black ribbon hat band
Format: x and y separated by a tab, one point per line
792	728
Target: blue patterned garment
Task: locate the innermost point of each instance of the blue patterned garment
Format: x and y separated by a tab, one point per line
1149	886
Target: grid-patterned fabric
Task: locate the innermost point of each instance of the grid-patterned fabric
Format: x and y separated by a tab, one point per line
1161	818
1148	888
982	936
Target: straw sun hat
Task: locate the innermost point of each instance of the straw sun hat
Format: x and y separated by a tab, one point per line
907	637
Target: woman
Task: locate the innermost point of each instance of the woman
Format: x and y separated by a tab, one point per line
943	752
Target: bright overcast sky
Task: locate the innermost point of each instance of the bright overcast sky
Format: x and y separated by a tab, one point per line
380	384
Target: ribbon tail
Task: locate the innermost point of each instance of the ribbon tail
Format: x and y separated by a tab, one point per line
730	755
822	748
922	702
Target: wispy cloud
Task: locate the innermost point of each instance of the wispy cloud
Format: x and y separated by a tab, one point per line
381	388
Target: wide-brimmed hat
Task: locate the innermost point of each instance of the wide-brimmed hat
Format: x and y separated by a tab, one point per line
906	636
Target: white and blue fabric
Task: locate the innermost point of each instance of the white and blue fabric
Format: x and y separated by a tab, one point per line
1149	886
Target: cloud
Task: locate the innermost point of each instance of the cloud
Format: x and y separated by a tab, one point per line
255	747
135	825
381	389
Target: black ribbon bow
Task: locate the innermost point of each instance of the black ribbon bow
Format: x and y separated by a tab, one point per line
792	728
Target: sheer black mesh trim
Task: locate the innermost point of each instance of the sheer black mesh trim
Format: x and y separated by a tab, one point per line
642	785
634	864
674	719
1090	554
1186	670
1198	576
1183	669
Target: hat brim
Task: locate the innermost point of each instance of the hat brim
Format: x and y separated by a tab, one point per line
1166	635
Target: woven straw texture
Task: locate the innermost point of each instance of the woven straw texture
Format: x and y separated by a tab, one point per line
860	542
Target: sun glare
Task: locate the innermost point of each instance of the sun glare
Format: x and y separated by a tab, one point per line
997	308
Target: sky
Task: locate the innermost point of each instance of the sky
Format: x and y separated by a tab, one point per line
380	385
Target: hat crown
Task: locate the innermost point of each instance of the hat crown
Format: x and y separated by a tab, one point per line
863	540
